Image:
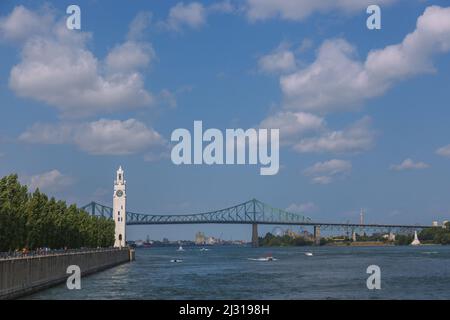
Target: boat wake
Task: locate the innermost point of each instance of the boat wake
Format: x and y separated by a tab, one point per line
263	259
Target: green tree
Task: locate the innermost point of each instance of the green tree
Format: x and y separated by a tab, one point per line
33	221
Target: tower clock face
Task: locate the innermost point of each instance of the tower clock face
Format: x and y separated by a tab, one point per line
119	193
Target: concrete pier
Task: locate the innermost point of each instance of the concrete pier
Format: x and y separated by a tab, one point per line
26	275
255	240
317	235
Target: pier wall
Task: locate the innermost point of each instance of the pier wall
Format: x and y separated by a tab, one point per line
23	276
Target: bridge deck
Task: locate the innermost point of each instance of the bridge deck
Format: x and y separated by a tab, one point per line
250	212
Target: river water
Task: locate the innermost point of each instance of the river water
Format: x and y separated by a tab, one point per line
229	273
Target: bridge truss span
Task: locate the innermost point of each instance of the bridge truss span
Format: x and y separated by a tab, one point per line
250	212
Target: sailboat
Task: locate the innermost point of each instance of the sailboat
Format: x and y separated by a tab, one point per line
416	241
180	248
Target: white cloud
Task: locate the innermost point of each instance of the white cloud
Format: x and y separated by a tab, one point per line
194	15
444	151
130	56
46	133
281	60
22	24
409	164
102	137
133	54
330	82
326	172
114	137
300	9
355	138
293	125
191	15
138	26
338	81
222	7
57	68
302	207
168	97
48	181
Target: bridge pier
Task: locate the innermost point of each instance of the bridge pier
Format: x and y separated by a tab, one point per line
317	235
255	240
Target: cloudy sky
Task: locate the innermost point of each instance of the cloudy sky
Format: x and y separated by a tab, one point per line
363	114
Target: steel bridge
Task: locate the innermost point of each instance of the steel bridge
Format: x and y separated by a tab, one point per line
252	212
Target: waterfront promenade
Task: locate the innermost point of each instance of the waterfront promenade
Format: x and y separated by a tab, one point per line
23	275
49	252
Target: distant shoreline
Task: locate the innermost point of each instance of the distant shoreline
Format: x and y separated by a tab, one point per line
360	244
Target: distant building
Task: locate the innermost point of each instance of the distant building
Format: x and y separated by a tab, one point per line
389	236
435	224
444	223
307	235
200	238
291	234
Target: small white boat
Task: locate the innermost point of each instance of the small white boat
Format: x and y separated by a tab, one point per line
309	254
176	260
180	248
264	259
204	249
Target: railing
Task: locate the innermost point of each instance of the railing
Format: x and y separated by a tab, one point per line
50	252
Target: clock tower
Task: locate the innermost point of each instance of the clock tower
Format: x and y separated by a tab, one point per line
119	209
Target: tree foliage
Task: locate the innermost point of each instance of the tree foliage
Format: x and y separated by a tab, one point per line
403	239
271	240
438	235
32	220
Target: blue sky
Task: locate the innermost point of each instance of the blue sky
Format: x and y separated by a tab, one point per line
363	114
